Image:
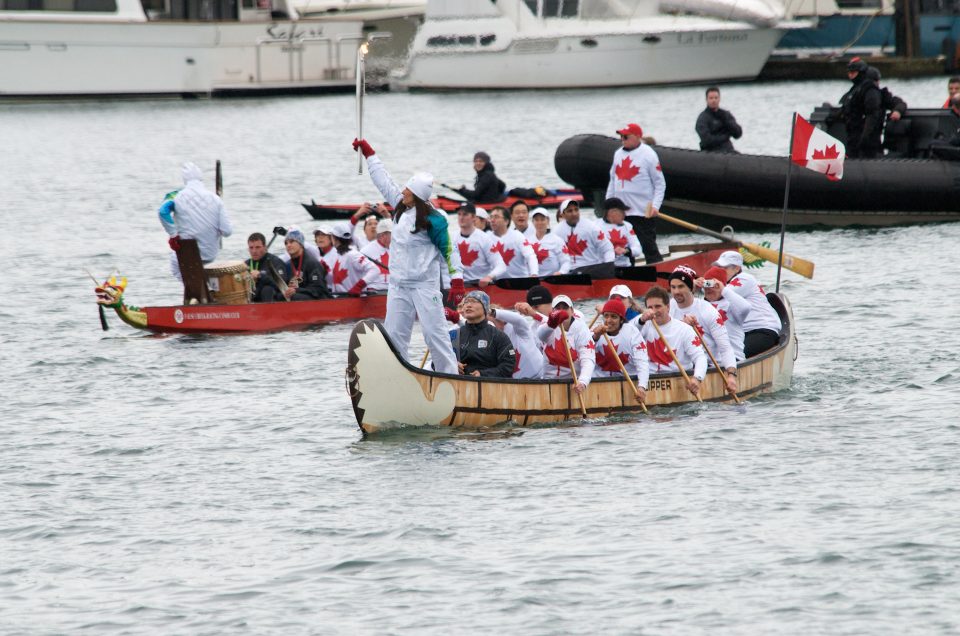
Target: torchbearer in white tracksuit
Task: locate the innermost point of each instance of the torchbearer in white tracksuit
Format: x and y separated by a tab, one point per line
194	212
419	248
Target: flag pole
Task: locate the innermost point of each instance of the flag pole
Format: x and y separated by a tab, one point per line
786	199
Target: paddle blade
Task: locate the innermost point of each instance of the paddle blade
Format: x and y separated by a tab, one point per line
103	319
568	279
517	284
793	263
646	274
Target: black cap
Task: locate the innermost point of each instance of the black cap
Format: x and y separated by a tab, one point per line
469	208
873	73
858	65
614	202
539	295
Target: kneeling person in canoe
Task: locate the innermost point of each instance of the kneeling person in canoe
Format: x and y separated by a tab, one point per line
578	342
762	326
482	349
731	306
678	335
260	264
627	343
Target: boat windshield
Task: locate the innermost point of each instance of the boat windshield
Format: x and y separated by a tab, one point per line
592	10
71	6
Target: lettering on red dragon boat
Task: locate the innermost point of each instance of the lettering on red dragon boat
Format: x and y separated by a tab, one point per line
180	316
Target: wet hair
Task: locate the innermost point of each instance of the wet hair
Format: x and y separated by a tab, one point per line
505	211
257	236
712	89
658	292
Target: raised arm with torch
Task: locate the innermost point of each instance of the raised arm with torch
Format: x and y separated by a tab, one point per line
361	89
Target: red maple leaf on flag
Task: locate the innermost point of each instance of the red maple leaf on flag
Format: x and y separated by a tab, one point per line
658	353
618	239
541	254
505	254
557	355
467	256
574	245
339	273
830	152
626	171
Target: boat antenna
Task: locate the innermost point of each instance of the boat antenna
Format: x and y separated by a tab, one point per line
786	199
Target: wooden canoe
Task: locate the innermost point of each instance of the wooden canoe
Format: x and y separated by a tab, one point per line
389	393
266	317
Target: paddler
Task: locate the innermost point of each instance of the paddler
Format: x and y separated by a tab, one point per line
628	345
259	264
585	242
579	341
487	187
420	247
194	212
762	327
680	336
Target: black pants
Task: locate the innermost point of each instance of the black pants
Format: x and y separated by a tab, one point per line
758	341
646	231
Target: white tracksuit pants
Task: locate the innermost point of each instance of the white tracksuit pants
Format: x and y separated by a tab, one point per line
404	304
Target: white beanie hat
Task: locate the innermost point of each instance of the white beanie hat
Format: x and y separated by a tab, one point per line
421	184
384	225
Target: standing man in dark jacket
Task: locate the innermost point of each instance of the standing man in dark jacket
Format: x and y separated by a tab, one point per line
488	188
482	349
716	126
862	111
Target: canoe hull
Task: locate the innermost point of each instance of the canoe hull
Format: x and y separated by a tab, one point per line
389	393
266	317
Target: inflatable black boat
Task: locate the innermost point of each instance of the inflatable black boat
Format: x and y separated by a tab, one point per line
746	191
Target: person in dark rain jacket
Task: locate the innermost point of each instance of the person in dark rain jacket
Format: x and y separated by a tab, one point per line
487	188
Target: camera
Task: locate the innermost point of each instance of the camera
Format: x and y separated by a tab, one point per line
709	283
374	207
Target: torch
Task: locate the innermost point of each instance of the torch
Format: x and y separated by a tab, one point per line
361	70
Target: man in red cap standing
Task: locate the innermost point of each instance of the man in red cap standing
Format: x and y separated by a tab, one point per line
637	180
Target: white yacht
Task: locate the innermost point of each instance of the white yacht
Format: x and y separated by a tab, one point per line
153	47
488	44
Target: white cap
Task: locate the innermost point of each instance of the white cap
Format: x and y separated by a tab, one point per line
730	258
323	230
565	203
562	298
540	211
342	230
482	213
421	184
385	225
621	290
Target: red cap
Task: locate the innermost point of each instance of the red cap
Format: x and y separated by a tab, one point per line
716	273
615	306
631	129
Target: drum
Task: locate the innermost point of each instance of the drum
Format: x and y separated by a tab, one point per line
230	282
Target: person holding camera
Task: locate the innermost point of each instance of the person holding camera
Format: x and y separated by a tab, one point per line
366	233
761	329
716	126
732	307
705	319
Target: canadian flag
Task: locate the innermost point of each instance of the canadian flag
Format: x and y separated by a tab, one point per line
816	150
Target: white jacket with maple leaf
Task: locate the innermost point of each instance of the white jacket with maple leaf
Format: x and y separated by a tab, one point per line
685	343
623	236
712	326
733	309
529	350
762	314
476	256
636	178
582	350
349	269
551	256
515	251
375	251
585	243
632	351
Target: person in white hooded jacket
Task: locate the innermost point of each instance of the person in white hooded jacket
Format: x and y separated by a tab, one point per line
194	212
420	247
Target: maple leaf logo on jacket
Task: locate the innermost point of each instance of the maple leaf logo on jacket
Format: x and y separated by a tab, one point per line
557	355
507	255
385	263
607	362
339	273
541	254
722	320
735	283
618	240
626	171
467	256
657	352
574	245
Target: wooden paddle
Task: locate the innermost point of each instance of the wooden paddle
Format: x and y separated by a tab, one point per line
424	361
522	284
673	355
623	369
716	364
573	371
103	315
647	274
793	263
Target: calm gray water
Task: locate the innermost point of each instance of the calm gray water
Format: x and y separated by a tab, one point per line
208	485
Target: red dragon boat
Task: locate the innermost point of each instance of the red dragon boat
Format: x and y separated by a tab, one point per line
265	317
342	211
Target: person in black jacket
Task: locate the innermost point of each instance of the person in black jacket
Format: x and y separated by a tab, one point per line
862	111
488	188
305	277
482	349
716	126
259	264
